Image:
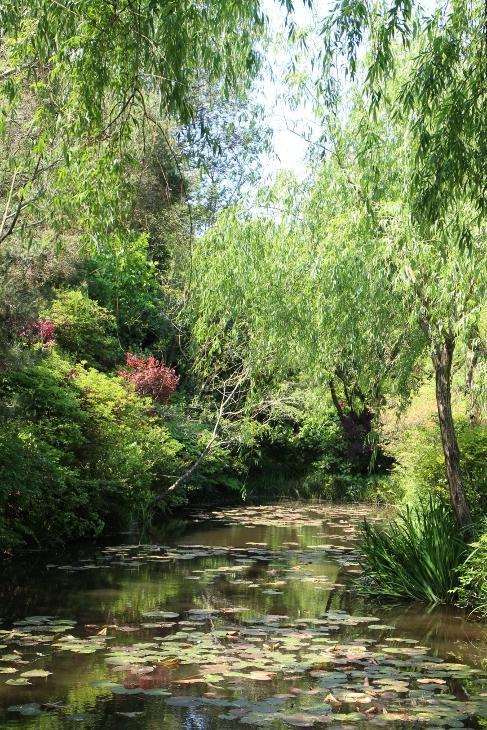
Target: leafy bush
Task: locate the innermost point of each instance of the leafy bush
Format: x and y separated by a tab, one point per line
150	377
420	469
42	494
84	329
39	330
472	592
78	452
305	454
220	474
415	556
124	279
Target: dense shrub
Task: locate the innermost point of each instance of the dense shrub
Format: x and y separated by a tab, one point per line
472	592
304	453
150	377
42	496
415	556
84	329
78	452
41	331
420	469
123	278
81	453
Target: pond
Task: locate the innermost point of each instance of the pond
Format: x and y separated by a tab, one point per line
244	616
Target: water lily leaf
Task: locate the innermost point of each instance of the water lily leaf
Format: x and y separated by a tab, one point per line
182	701
261	676
31	709
259	719
304	720
21	682
349	716
36	673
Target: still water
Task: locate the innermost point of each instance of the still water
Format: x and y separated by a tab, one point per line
242	617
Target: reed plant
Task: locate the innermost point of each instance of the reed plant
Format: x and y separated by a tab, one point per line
472	592
415	556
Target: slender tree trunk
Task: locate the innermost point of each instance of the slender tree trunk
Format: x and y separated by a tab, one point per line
336	402
442	357
473	409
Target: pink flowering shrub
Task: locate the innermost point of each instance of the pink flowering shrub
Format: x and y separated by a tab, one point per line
150	376
40	330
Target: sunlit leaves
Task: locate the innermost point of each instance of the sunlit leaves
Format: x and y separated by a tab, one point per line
439	95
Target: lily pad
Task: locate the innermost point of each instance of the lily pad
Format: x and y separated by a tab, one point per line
21	682
36	673
31	709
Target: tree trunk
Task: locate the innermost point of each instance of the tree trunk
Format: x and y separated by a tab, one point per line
474	352
356	427
336	402
442	357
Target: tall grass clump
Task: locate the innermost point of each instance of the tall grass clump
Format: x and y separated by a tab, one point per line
472	592
415	556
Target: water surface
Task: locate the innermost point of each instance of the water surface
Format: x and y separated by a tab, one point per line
245	616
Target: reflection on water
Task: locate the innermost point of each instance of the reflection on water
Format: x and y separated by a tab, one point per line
245	615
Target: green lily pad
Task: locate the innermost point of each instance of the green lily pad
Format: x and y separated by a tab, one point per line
31	709
21	682
36	673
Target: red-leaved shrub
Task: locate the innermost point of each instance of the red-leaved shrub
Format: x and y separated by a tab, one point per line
150	376
40	330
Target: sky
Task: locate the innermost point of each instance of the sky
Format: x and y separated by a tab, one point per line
286	123
290	149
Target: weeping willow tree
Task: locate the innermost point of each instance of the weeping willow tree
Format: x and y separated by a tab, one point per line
81	80
91	97
439	97
347	282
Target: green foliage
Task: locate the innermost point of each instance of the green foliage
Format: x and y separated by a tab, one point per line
43	497
300	451
437	98
309	454
420	465
124	279
84	328
415	556
94	54
83	86
218	477
345	280
78	451
472	591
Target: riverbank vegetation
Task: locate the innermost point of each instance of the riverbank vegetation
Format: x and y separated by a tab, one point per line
172	337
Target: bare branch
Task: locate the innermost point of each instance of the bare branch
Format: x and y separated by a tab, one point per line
228	394
20	205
